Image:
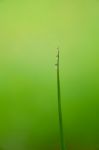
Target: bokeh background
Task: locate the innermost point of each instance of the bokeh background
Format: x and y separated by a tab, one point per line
30	32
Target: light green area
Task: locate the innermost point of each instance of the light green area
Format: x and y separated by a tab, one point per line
30	32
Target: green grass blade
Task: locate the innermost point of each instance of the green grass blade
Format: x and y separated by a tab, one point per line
59	106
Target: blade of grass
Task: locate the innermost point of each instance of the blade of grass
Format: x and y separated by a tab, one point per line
59	106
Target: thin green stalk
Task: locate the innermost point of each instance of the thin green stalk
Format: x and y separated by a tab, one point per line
59	106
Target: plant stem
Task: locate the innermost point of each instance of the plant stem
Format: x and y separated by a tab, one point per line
59	106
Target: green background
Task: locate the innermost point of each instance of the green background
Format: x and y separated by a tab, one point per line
30	32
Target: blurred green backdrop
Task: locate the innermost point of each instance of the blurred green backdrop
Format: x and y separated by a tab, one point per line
30	32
